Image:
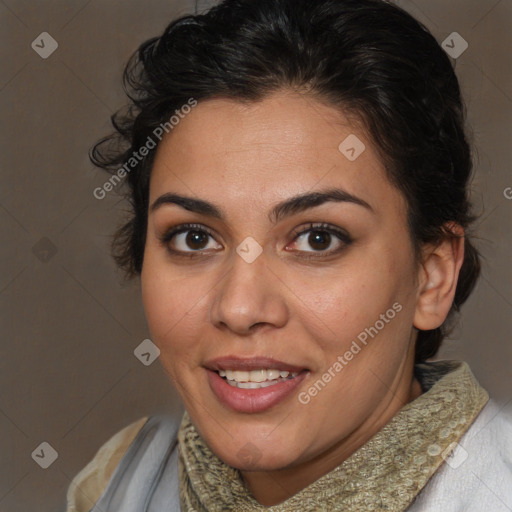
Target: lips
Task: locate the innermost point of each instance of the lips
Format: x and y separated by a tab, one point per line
248	400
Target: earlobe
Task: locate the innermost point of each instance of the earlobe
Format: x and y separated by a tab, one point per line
438	278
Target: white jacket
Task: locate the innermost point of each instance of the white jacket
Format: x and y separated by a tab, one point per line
477	477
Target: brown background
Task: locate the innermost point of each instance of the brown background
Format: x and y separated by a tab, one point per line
69	326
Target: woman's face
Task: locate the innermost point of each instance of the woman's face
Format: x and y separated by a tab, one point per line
335	303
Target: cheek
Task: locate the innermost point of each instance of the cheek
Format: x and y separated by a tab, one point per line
158	303
172	305
337	310
169	324
349	297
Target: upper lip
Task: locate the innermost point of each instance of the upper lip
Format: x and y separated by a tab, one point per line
250	363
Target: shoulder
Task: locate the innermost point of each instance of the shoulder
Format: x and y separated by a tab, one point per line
88	485
135	454
477	474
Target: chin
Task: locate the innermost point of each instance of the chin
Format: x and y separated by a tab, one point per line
247	456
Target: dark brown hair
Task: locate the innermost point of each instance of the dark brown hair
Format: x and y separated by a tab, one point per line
367	57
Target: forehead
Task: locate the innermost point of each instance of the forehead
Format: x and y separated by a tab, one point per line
286	144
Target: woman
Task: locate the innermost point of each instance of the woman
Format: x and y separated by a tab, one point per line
298	173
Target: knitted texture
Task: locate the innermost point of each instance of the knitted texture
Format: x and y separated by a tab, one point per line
386	473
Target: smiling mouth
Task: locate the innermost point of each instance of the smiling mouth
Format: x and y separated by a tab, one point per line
253	385
256	379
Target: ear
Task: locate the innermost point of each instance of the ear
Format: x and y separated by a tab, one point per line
438	275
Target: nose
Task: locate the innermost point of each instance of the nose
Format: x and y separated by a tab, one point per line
249	297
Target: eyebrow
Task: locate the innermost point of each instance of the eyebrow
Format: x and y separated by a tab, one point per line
286	208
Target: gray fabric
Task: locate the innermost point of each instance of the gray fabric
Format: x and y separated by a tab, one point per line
478	477
146	478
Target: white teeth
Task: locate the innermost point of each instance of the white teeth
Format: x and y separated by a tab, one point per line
241	376
247	385
251	385
256	376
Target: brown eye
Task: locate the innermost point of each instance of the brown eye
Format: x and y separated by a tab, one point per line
196	239
321	239
188	239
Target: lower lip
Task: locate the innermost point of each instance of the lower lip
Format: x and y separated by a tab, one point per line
252	400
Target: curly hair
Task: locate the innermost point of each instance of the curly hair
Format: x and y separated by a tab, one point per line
368	57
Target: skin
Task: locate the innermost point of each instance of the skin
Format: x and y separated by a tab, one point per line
245	159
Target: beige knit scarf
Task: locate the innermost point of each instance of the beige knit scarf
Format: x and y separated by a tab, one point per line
386	473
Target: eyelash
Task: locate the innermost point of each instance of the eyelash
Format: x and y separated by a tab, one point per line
322	227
